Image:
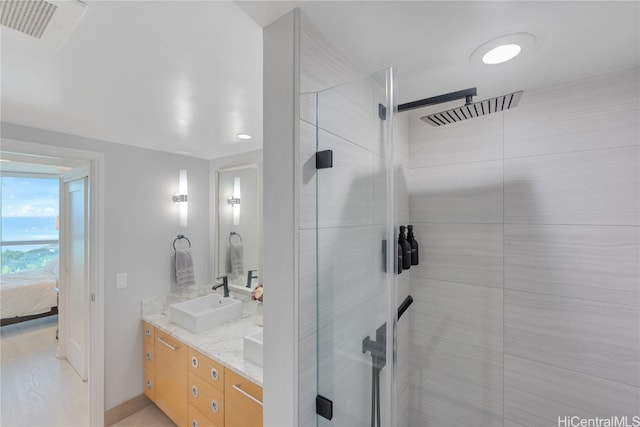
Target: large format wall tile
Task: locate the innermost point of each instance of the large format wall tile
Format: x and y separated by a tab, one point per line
454	384
594	338
349	269
308	107
307	284
463	253
344	371
536	394
600	263
469	193
463	313
307	175
467	141
590	187
402	195
322	64
307	384
351	112
345	191
600	112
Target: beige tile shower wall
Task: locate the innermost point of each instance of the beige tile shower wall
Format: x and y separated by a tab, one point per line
528	290
348	204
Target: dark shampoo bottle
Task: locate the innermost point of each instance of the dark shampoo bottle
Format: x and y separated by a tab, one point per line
414	245
406	249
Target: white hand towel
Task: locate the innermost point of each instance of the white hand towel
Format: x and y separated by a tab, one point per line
236	258
184	268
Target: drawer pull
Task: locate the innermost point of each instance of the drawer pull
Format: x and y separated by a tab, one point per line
194	362
148	384
148	355
148	332
237	387
194	391
167	344
194	423
214	406
214	374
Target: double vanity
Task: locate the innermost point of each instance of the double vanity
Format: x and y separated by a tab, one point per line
203	358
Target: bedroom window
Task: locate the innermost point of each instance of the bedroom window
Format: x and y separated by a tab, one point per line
29	228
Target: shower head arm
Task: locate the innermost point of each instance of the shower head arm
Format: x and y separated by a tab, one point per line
466	94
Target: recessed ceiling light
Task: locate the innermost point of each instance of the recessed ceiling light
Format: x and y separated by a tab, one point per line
502	53
243	136
502	49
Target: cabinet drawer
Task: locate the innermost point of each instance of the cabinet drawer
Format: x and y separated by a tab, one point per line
171	377
149	356
207	399
243	401
210	371
149	385
149	332
196	419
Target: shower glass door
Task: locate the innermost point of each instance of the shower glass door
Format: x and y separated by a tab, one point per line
354	225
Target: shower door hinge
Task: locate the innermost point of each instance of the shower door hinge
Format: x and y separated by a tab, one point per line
324	159
382	112
324	407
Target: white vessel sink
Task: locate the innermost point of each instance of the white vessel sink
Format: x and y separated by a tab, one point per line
205	312
253	347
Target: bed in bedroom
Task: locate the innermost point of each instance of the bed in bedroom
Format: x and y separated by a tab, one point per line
28	295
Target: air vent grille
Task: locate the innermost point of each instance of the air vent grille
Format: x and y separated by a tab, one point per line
30	17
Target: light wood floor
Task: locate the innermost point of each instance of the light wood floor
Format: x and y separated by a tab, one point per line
149	416
36	388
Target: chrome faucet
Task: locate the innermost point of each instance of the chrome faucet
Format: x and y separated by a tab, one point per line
250	277
224	283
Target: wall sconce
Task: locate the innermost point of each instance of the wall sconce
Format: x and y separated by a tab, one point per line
181	198
234	201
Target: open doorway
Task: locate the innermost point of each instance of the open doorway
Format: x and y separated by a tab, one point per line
54	363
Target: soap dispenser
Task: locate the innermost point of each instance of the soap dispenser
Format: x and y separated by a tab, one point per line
414	245
406	249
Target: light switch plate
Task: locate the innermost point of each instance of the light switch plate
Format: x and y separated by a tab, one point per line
121	280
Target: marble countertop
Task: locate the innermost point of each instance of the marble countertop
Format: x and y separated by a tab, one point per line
223	343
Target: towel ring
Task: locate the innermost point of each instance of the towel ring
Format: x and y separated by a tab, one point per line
180	236
233	233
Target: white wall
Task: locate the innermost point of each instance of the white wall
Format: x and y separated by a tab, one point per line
140	221
281	202
528	293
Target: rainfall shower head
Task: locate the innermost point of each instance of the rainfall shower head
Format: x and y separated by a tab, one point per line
475	109
467	111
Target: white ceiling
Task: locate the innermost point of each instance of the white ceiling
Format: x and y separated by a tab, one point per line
174	76
187	76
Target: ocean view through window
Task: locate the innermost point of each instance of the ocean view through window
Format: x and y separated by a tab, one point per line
29	228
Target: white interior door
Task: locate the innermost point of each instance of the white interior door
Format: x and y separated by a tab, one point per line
77	284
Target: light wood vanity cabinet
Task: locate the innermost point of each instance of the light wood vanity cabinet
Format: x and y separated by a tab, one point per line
149	371
206	388
194	390
149	360
171	377
243	400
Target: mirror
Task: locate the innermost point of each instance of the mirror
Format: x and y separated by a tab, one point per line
238	249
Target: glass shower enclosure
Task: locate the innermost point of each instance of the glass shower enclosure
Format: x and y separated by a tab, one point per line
355	250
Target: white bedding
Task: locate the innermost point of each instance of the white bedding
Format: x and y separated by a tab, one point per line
27	293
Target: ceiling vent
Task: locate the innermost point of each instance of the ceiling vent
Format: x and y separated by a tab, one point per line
48	23
28	17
